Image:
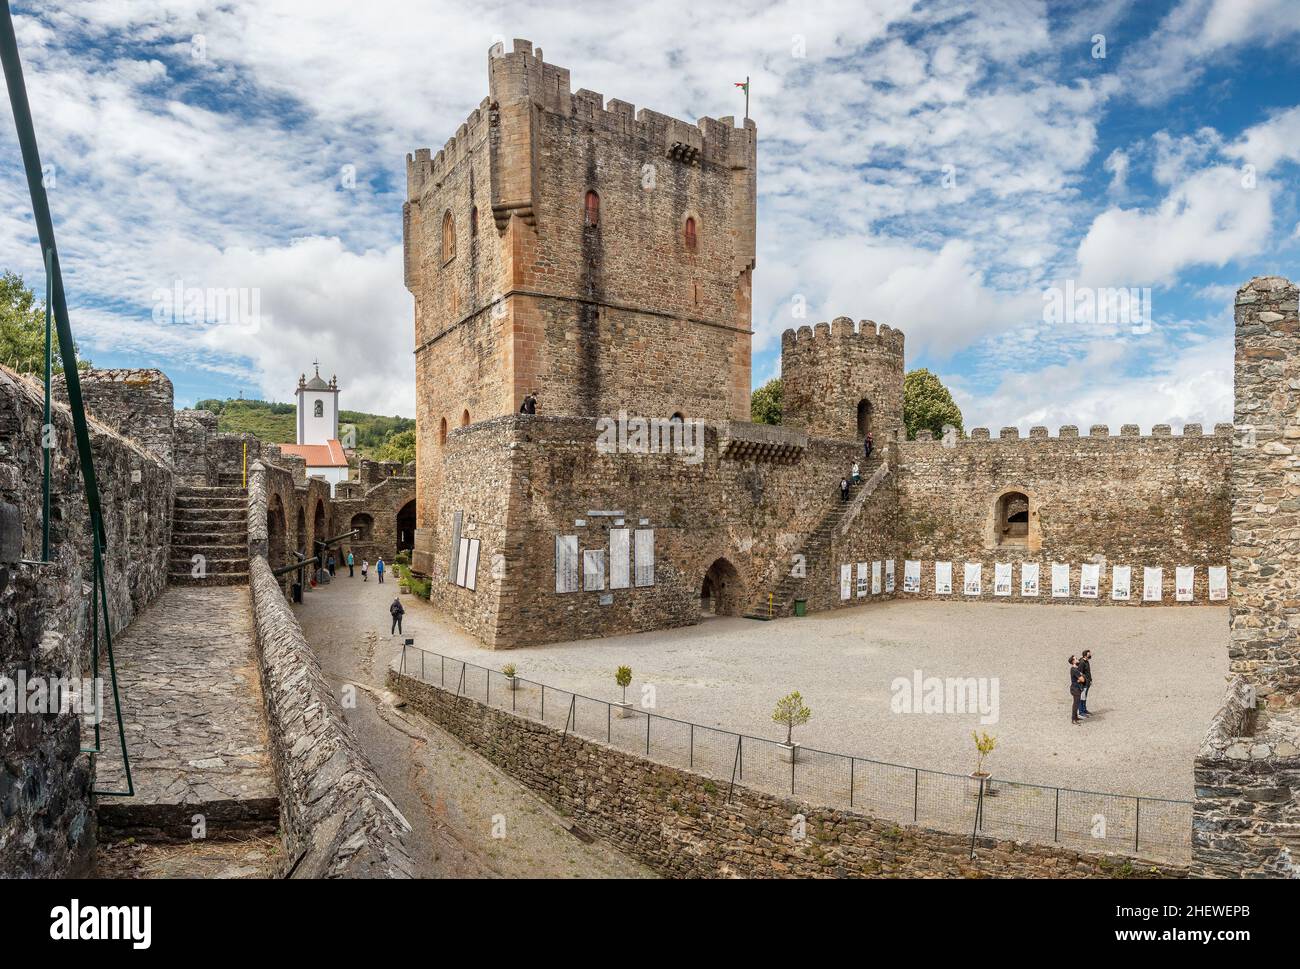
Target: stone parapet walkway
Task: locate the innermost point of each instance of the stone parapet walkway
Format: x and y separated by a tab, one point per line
192	707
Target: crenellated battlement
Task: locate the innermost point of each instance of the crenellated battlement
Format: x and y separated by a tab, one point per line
842	328
423	168
978	435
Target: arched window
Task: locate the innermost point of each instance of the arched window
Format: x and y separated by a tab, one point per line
442	432
591	210
464	419
691	240
319	409
473	220
1012	518
448	237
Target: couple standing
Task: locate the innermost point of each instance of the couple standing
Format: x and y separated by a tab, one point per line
1080	681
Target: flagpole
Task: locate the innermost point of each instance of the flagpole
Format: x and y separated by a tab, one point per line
746	97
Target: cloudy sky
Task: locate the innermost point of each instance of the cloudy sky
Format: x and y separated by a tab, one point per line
942	167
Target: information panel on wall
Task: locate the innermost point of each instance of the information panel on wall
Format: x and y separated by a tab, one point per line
1029	578
911	575
943	578
643	548
566	563
620	551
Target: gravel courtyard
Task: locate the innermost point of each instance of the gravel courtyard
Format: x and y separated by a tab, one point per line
1159	677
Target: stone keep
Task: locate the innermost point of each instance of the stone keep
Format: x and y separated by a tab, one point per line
594	255
843	380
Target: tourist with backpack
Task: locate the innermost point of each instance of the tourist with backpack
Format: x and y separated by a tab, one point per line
397	612
365	568
379	568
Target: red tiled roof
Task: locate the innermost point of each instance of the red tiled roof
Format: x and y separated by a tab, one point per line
327	455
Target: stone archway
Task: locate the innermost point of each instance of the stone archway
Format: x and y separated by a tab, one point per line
406	527
721	591
1013	521
277	539
864	417
302	530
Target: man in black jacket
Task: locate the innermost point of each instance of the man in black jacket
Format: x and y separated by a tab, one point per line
397	612
1076	689
1085	667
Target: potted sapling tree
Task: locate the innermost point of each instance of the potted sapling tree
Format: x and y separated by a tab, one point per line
623	677
510	672
984	744
790	712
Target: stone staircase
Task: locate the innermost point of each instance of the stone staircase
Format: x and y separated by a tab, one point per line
212	522
817	545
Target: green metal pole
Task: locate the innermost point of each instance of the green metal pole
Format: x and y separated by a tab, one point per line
47	441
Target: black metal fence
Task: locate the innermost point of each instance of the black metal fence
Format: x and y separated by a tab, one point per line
1149	827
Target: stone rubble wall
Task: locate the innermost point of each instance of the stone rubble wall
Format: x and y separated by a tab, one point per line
684	826
137	403
46	817
337	820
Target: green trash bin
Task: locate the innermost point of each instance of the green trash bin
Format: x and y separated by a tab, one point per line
801	607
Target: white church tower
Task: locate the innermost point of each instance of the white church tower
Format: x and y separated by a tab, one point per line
318	409
318	429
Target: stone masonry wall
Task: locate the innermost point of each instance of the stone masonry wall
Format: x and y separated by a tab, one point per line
827	370
684	825
46	827
137	403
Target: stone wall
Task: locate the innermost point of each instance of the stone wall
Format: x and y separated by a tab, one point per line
45	613
336	818
684	825
194	464
827	371
137	403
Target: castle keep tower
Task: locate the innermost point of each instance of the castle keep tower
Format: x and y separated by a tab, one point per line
841	380
595	255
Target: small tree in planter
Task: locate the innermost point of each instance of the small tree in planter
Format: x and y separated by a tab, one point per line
623	677
510	673
791	712
984	744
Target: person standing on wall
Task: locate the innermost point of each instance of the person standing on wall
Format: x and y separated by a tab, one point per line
351	571
868	445
397	612
379	569
1085	667
365	568
857	473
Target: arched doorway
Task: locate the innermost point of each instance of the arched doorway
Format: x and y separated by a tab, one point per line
318	523
302	531
864	417
1012	519
364	526
277	541
406	527
721	591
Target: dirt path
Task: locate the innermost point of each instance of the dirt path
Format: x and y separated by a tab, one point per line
454	799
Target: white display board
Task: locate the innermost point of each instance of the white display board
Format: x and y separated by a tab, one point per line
862	579
846	581
875	578
463	562
567	568
1089	580
593	569
973	580
1121	582
620	558
643	549
1060	580
1184	583
1029	578
911	575
889	576
471	567
1218	583
1153	580
943	578
1002	578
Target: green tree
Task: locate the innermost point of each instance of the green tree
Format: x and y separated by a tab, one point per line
928	404
22	329
765	403
790	712
400	446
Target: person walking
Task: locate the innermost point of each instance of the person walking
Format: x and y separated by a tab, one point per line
1076	689
857	473
397	612
868	445
331	564
379	569
365	567
351	571
844	489
1085	667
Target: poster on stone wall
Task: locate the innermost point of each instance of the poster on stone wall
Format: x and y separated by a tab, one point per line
1218	583
911	575
862	579
1002	578
463	563
471	567
566	563
943	578
846	581
1153	580
1121	582
973	581
875	578
1060	580
889	576
593	569
620	551
453	560
1184	583
1089	580
643	548
1029	578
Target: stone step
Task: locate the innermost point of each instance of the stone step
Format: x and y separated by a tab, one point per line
211	579
198	504
220	491
210	514
213	563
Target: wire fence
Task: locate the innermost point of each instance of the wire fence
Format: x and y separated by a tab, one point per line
1150	827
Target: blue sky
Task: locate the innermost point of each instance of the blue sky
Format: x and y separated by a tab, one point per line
934	166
